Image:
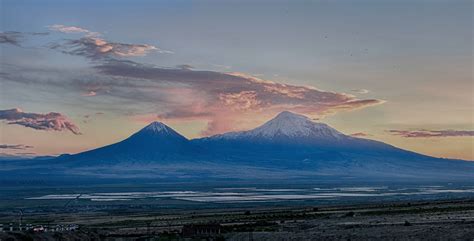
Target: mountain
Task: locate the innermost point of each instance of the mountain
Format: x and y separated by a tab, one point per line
155	142
295	136
286	127
288	146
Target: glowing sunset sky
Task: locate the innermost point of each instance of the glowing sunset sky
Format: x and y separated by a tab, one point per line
76	75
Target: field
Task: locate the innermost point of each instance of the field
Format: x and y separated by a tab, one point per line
242	212
433	220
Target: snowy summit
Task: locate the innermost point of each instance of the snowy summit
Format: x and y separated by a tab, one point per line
288	125
158	130
156	127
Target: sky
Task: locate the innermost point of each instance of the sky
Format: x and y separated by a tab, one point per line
76	75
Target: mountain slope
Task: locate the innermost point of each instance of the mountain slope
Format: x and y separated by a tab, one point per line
292	141
154	143
296	133
288	146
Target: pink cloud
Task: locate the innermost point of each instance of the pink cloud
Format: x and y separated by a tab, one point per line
68	29
95	48
244	100
49	121
227	101
90	93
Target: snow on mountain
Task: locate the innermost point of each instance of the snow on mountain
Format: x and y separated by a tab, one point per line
156	127
158	130
290	126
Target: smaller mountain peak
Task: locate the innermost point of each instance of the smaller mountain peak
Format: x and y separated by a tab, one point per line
157	124
156	127
157	131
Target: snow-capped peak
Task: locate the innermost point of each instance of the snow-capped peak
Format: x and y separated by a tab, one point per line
158	130
289	125
156	127
295	125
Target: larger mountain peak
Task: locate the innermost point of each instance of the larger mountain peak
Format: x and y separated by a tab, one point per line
289	125
289	118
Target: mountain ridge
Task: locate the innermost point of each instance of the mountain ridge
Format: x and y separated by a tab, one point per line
287	144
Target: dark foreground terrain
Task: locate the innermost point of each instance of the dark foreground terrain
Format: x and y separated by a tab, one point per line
427	220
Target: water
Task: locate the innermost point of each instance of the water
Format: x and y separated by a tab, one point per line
255	194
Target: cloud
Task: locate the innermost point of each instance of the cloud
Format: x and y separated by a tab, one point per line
49	121
89	117
185	66
225	100
361	91
69	29
94	47
26	153
13	38
244	100
15	147
221	66
16	38
98	48
430	133
90	93
224	97
360	134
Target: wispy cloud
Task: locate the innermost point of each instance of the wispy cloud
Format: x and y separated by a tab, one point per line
16	38
93	46
360	134
26	153
49	121
13	38
98	48
89	93
71	29
15	147
431	133
361	91
185	66
89	117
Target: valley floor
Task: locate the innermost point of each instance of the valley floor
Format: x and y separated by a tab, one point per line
427	220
